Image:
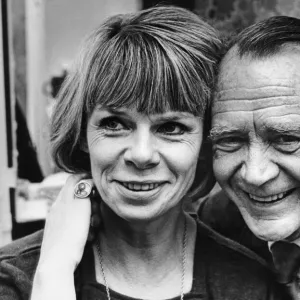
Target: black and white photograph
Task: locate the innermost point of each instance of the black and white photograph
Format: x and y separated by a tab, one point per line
150	150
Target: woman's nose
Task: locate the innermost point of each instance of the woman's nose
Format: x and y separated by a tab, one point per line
142	152
258	168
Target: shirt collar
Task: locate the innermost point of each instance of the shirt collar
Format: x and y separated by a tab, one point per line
297	242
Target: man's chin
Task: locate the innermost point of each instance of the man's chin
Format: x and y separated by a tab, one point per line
272	230
269	236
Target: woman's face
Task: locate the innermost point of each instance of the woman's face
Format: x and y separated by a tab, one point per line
143	165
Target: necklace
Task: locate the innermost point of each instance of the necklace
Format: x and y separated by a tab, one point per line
183	263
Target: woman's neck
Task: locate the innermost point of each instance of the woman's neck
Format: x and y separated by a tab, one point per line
142	234
146	254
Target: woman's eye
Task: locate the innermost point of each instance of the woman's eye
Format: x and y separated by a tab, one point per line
112	124
171	128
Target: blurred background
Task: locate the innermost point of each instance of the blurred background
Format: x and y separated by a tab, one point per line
39	39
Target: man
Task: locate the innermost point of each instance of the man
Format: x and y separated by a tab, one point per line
256	142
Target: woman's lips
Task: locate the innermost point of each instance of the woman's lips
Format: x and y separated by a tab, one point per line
270	199
138	186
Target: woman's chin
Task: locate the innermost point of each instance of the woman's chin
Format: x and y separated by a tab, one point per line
140	213
140	205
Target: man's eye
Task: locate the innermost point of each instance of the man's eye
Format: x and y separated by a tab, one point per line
172	128
229	140
287	143
112	124
229	144
287	139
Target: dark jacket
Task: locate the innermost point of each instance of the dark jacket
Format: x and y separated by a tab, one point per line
222	270
221	214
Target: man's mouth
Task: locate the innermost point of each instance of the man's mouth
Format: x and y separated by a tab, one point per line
271	198
134	186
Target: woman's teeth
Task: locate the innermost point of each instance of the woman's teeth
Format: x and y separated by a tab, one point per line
269	198
140	187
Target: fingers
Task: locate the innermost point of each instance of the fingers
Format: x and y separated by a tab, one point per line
83	188
67	225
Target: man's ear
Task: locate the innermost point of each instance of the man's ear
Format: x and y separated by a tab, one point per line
204	178
84	146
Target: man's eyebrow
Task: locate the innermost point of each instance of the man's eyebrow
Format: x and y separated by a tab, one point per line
282	128
219	131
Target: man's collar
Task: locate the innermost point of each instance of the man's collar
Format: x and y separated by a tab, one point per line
297	242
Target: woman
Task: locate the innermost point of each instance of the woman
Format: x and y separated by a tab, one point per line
130	120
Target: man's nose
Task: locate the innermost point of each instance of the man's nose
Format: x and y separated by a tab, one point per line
142	151
258	168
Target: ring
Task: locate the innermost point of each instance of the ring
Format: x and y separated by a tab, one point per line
82	189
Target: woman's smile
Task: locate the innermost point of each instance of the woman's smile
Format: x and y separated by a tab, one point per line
141	186
143	159
139	193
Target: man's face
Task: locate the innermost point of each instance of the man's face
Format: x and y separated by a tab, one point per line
256	140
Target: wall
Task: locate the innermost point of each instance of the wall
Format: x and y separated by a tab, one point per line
18	23
231	16
68	21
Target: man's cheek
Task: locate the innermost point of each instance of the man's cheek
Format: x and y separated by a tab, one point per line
221	168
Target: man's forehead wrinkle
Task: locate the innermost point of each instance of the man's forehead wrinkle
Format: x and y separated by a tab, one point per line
248	105
256	92
264	80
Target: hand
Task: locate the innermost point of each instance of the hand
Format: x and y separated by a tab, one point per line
65	236
66	230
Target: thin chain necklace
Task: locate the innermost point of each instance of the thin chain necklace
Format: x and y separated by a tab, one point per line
183	263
